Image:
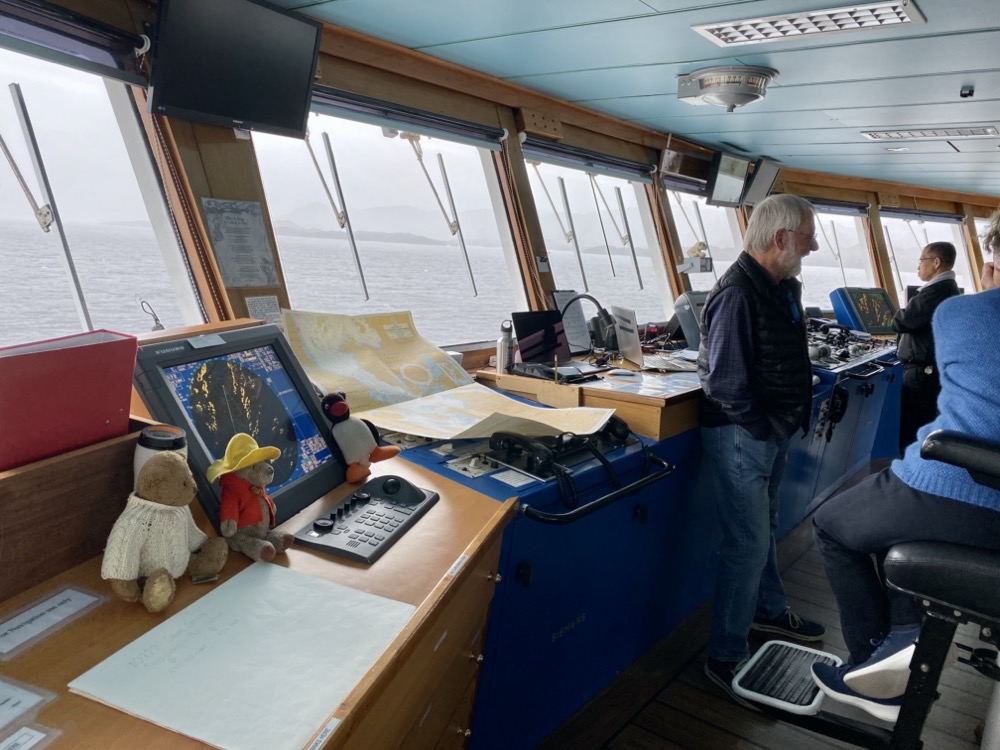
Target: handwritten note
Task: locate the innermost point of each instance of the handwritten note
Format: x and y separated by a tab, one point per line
259	663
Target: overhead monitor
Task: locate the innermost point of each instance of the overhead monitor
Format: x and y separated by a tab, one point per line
760	182
726	178
861	309
238	63
247	380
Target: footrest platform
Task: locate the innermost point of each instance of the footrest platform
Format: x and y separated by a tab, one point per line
780	675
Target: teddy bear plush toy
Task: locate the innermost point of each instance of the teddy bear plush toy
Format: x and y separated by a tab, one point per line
356	438
155	540
246	511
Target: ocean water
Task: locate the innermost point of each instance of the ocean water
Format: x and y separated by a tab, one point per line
120	265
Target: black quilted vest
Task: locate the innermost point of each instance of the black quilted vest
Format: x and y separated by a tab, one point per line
781	375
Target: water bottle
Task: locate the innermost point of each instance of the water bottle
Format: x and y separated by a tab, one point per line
505	346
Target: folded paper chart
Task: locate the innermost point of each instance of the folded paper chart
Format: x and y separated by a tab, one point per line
475	411
375	359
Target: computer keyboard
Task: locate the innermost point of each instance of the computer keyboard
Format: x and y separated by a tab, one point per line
667	362
365	524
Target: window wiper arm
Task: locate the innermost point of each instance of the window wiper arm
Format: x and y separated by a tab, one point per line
48	213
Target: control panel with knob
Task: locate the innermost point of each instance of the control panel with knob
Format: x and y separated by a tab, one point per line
369	521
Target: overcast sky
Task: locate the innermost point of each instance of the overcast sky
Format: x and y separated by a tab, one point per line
70	114
92	179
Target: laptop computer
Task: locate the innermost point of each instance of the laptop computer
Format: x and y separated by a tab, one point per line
542	343
631	348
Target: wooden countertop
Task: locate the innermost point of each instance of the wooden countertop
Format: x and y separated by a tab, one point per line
655	405
415	570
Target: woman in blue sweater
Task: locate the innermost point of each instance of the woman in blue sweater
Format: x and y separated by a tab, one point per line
914	500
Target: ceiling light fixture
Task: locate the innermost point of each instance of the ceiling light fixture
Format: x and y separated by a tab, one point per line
797	25
909	135
728	86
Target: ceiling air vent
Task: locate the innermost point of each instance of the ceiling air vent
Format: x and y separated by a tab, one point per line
796	25
910	135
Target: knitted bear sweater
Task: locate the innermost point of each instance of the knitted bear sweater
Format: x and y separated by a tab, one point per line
968	358
148	536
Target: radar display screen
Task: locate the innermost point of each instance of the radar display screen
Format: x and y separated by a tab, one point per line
250	391
874	310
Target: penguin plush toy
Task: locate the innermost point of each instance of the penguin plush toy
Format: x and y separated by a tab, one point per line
356	438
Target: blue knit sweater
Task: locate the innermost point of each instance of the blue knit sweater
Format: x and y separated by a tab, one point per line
967	335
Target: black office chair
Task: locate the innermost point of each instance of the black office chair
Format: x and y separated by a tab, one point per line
955	585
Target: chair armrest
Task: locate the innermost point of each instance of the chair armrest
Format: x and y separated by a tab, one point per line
980	458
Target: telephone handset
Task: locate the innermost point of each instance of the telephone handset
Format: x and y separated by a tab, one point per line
538	456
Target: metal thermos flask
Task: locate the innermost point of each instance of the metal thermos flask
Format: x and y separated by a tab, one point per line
152	440
505	346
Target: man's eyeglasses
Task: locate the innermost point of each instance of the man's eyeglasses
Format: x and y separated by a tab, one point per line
930	257
804	234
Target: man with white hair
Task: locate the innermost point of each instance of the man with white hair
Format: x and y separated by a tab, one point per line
756	378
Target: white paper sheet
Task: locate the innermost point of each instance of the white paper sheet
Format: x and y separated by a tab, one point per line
258	664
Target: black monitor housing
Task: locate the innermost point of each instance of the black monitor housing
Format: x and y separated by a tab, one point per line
687	316
244	64
760	182
726	179
247	380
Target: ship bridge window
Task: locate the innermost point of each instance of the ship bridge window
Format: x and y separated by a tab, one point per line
599	236
715	227
842	258
907	233
982	227
116	249
414	226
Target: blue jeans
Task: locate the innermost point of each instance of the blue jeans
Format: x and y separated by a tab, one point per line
744	475
855	529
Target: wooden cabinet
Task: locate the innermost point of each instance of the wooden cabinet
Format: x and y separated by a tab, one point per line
436	668
419	692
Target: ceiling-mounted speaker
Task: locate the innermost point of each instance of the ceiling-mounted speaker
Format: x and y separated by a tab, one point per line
728	86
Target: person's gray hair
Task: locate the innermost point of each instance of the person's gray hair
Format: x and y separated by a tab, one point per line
991	240
771	214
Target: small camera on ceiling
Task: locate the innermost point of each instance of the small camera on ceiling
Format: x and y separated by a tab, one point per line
967	92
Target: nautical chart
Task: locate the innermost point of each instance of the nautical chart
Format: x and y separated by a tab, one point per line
403	383
375	359
475	411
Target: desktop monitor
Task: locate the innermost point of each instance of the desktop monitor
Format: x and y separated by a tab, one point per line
867	310
726	178
247	380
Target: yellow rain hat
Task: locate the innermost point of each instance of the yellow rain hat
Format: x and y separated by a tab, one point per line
241	452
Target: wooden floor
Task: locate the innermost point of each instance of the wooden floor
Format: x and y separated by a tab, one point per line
665	702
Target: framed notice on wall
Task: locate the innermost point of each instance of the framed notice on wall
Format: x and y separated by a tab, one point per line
240	242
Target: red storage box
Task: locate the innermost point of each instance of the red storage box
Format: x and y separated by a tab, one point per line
64	393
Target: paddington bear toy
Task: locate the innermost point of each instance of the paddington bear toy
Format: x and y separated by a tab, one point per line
356	438
246	511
